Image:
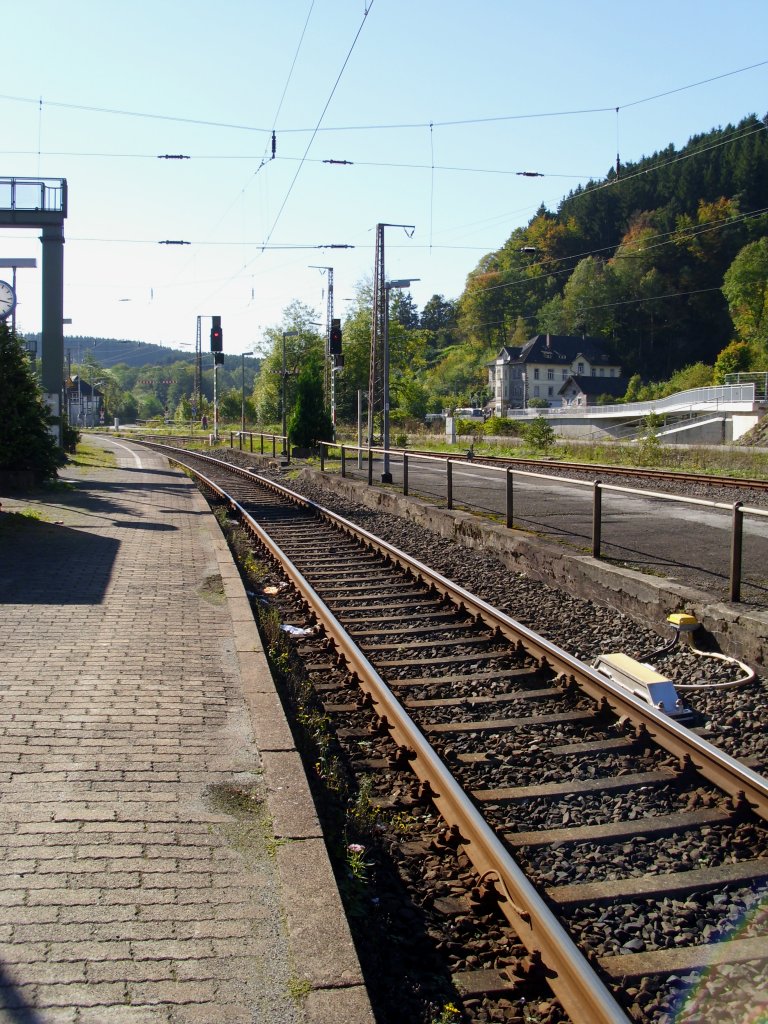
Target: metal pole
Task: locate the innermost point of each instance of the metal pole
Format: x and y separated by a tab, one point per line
737	539
343	461
370	466
359	429
242	400
215	399
510	518
449	482
283	398
386	476
597	518
405	474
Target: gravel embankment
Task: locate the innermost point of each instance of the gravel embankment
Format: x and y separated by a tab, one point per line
733	718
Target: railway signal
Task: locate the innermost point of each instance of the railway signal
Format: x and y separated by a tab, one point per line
335	338
217	337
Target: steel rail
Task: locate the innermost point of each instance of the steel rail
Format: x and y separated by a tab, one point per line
582	467
737	780
500	876
582	993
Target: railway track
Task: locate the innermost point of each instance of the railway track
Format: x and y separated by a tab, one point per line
593	470
543	770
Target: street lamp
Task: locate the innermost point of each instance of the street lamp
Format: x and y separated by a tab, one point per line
242	402
386	476
286	334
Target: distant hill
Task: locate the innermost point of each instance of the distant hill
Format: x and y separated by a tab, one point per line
111	351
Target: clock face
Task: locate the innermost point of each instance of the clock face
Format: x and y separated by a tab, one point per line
7	299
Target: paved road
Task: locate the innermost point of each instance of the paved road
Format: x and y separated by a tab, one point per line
687	543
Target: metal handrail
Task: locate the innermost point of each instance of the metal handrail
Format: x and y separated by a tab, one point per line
738	509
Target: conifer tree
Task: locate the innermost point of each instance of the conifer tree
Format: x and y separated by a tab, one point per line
26	443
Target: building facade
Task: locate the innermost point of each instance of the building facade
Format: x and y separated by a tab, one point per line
539	368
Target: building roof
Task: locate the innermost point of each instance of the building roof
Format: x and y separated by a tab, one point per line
82	387
560	349
589	385
508	354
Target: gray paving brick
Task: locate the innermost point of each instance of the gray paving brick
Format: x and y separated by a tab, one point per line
125	896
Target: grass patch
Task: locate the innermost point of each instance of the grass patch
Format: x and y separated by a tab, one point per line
89	456
742	463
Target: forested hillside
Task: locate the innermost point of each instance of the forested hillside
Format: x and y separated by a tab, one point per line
639	257
666	258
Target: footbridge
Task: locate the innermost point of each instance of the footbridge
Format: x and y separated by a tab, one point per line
709	415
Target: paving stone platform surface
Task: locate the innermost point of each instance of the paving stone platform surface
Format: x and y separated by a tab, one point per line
142	875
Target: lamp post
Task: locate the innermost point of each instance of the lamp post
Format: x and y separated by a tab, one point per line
286	334
242	402
386	476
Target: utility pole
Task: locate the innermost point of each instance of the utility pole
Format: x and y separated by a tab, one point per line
197	389
377	393
330	376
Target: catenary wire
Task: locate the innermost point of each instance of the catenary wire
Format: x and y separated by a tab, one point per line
89	108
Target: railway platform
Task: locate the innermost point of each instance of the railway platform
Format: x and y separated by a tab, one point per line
161	856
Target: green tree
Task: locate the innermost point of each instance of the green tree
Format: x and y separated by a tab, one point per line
697	375
26	442
589	298
310	421
300	338
745	286
230	405
735	358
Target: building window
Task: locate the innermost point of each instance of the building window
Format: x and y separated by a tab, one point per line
565	375
550	374
580	368
602	372
536	373
536	391
550	391
593	372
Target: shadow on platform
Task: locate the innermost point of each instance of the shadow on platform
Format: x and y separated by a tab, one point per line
42	563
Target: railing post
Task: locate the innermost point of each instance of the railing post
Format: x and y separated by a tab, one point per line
510	518
322	458
449	482
597	518
405	474
343	461
737	537
231	439
370	467
240	439
261	437
274	446
250	438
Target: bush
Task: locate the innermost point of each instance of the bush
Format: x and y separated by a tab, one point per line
71	437
502	426
26	442
539	435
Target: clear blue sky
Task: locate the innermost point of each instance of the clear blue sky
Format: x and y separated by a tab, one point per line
94	91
